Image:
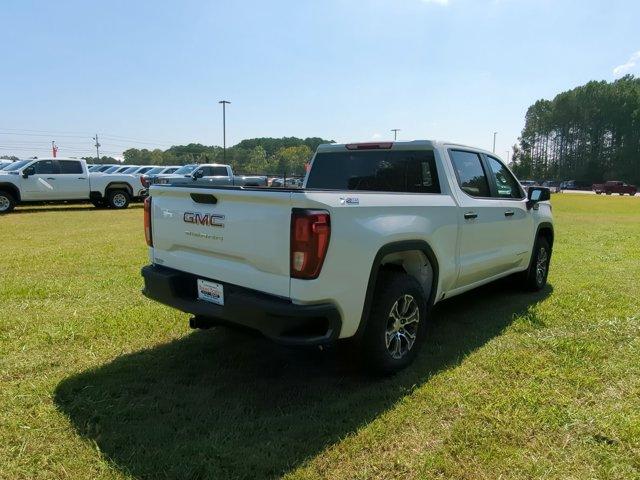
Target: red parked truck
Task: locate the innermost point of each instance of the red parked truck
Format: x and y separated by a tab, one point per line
614	186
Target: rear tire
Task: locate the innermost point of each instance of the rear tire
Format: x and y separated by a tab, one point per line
7	202
535	278
397	323
118	199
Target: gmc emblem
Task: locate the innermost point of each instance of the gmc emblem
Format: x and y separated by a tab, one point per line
209	219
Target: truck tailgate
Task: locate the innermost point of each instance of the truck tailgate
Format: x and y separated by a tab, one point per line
241	239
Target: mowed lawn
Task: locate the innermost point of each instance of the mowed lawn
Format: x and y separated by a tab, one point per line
98	382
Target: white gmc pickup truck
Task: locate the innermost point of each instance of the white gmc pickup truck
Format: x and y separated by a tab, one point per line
378	234
64	179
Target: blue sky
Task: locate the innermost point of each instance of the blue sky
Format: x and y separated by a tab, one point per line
349	70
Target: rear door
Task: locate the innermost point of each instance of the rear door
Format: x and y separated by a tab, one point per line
481	245
239	236
72	180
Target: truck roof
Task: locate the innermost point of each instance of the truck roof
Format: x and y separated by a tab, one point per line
403	145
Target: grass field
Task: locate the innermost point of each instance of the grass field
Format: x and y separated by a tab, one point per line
98	382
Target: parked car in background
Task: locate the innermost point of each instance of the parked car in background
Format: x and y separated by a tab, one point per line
553	186
212	174
64	179
614	186
575	185
528	183
291	182
101	168
380	233
149	177
6	165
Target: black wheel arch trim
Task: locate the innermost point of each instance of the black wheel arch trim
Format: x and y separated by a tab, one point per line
542	226
119	186
12	189
395	247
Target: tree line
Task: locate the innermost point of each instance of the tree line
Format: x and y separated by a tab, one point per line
272	156
590	133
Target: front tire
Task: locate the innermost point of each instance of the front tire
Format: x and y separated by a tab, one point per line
535	278
7	202
397	323
118	199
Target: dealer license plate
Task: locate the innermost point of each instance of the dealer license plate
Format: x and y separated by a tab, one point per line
211	291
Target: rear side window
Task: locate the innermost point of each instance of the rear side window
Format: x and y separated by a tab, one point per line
69	166
507	185
214	171
408	171
470	174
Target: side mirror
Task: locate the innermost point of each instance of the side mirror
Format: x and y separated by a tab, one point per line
537	194
28	171
198	174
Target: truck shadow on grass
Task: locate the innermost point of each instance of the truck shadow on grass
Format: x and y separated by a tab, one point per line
220	404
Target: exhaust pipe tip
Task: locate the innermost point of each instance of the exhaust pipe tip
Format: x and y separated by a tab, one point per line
199	323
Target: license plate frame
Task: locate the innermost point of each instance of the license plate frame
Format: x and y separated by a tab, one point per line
212	292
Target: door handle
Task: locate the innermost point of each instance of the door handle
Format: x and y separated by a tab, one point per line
50	178
509	213
81	178
470	215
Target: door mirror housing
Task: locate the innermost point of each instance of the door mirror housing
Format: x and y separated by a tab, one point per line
30	170
537	194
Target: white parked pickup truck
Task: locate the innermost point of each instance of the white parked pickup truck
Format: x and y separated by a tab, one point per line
378	234
64	179
211	174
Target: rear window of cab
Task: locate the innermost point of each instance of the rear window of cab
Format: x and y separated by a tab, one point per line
402	171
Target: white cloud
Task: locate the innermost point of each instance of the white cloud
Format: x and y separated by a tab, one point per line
625	68
376	136
439	2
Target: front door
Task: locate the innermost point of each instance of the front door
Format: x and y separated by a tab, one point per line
41	185
482	220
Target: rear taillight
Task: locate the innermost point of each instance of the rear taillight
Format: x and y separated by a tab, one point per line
147	221
310	233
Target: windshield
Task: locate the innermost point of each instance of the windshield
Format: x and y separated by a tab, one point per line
170	170
153	171
185	169
111	170
131	169
16	165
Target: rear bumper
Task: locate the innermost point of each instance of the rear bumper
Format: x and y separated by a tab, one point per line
276	318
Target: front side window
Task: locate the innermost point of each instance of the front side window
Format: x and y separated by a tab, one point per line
408	171
44	167
506	183
471	176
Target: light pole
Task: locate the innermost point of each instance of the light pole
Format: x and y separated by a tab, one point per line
508	152
97	145
395	133
224	128
494	141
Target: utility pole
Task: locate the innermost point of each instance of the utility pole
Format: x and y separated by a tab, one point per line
224	128
97	148
395	133
494	141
